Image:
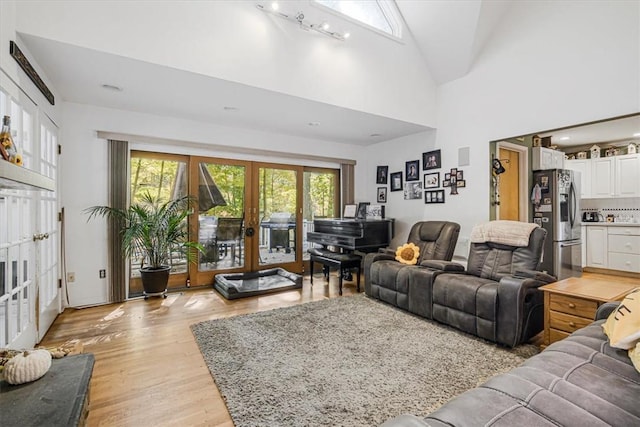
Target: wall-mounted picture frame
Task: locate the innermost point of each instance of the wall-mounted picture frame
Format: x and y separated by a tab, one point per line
461	183
434	196
362	210
431	180
412	190
350	211
382	173
431	160
382	195
459	175
396	181
411	170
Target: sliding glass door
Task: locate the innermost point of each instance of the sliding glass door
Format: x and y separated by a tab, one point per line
248	216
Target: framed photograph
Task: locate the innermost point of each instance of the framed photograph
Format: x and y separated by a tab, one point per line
381	174
375	212
436	196
432	180
461	183
446	183
411	171
362	210
349	211
431	160
382	195
396	181
412	190
459	175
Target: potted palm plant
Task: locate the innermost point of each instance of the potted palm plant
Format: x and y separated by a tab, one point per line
151	232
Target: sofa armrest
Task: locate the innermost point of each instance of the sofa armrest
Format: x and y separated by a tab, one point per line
387	251
606	309
513	294
536	275
447	266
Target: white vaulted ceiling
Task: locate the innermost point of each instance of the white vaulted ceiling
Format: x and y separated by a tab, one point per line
447	36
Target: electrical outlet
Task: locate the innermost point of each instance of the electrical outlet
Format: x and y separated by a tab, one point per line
71	277
103	274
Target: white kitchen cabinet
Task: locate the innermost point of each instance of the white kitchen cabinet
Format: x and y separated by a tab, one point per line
603	177
584	167
546	158
627	175
597	240
624	249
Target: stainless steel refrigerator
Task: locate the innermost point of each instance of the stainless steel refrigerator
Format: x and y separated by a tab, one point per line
556	208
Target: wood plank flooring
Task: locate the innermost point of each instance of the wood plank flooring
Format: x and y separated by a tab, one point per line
149	371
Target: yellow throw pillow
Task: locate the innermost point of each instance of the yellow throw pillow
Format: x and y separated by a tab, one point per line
623	325
634	355
408	254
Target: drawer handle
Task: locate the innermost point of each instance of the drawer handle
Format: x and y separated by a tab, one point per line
572	324
572	305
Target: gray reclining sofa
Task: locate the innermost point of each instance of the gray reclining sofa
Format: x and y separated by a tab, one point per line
580	381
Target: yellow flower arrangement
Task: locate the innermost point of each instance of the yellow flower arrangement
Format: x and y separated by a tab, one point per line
408	254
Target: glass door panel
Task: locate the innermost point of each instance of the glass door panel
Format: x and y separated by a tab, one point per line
279	197
164	178
221	203
321	199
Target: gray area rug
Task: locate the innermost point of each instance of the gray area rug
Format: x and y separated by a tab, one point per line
348	361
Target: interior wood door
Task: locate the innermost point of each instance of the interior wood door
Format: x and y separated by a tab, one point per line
509	187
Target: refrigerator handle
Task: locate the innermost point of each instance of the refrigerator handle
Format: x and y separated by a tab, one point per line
572	205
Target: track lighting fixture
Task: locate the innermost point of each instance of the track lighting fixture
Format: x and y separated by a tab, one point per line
273	8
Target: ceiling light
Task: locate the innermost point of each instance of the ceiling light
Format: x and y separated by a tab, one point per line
112	87
637	134
299	18
314	123
565	138
375	135
229	108
346	35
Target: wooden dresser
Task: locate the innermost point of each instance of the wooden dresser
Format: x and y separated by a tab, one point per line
571	304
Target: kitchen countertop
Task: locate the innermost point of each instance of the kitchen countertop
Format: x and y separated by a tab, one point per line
612	224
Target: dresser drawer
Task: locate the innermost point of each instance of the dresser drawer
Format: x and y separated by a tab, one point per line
624	262
556	335
624	244
572	305
627	231
567	322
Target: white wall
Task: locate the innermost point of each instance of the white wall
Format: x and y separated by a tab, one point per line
84	174
235	41
548	65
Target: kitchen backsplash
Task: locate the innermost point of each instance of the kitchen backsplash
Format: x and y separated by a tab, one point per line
623	210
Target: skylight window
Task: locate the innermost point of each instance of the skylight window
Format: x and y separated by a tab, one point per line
378	14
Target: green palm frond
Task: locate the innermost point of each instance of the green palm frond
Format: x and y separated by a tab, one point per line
152	229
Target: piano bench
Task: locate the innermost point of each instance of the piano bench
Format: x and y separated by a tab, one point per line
337	260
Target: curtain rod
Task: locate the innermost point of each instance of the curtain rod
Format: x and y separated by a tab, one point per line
225	148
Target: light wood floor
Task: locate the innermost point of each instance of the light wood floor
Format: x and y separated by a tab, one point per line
149	371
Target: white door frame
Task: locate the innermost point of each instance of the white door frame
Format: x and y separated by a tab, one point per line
523	173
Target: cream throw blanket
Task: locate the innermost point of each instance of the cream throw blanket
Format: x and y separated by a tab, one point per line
512	233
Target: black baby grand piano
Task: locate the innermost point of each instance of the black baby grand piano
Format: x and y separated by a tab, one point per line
341	239
349	235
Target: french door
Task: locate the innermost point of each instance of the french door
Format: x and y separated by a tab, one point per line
249	216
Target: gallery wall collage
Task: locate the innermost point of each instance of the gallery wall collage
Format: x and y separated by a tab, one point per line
428	187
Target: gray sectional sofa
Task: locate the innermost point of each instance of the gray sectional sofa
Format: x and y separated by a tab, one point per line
579	381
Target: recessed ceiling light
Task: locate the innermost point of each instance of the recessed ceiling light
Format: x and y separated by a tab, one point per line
636	134
314	123
565	138
346	35
229	108
325	26
112	87
275	5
